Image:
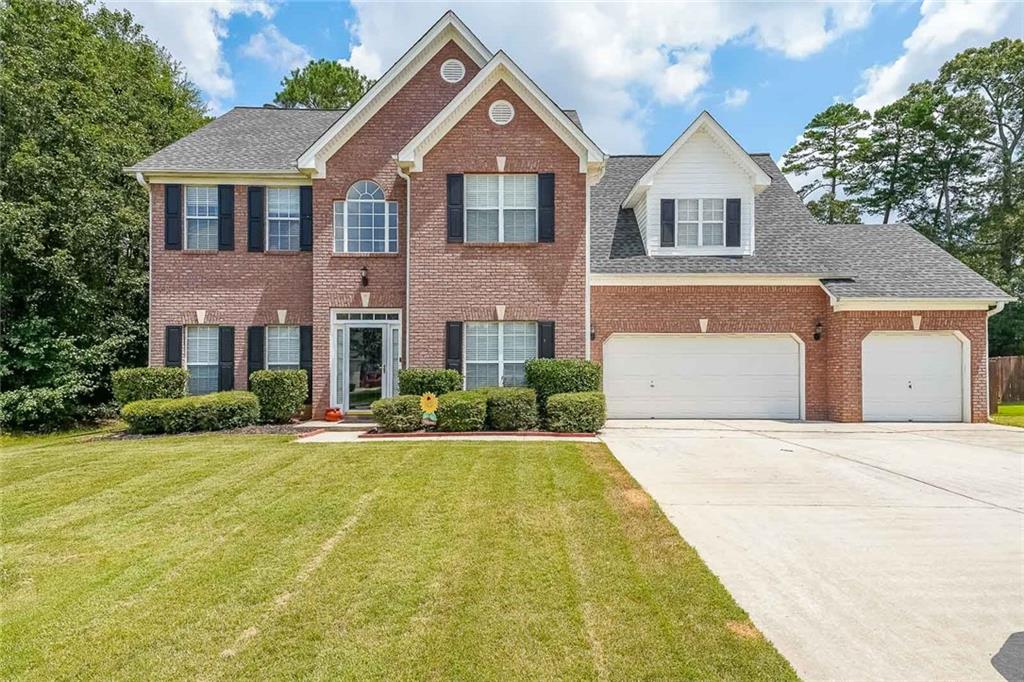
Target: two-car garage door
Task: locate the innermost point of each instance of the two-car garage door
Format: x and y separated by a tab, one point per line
740	376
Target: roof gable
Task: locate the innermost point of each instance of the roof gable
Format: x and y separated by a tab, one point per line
501	68
707	123
449	28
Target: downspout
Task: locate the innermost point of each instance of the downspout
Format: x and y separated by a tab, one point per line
408	259
988	388
141	179
586	291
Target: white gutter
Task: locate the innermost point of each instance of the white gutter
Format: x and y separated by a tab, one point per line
408	256
998	309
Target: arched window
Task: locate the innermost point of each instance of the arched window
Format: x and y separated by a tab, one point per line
365	222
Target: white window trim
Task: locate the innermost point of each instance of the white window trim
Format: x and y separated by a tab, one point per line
388	205
501	347
266	219
266	344
501	209
185	360
700	223
186	216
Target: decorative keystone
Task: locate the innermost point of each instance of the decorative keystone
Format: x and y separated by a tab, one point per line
703	325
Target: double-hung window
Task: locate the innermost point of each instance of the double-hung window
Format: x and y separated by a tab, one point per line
201	358
365	222
283	347
201	217
283	219
501	208
700	222
496	352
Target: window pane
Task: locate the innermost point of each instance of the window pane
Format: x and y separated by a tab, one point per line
520	225
714	210
687	234
714	234
481	341
519	340
481	226
339	226
481	191
515	374
283	235
520	191
283	347
366	190
200	217
479	375
689	210
283	202
202	379
200	233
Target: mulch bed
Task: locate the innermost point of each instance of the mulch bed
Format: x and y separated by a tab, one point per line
256	429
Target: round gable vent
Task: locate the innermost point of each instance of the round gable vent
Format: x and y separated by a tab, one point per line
453	71
501	112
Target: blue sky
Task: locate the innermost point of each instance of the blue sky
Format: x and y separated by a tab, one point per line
638	73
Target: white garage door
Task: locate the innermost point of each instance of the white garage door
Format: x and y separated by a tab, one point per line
753	376
912	377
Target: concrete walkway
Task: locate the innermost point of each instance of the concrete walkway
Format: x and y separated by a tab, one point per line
864	552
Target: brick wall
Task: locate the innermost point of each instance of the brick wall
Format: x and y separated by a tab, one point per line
235	288
466	281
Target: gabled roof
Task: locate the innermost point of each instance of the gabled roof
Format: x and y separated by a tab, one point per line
244	140
448	28
501	68
707	123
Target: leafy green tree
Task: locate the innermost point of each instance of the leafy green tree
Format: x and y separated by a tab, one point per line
84	94
881	175
828	149
322	84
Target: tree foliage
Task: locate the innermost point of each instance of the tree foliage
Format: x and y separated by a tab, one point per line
322	84
84	94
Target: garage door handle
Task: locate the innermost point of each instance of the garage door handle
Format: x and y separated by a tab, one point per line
910	384
652	383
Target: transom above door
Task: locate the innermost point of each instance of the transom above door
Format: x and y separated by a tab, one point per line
365	357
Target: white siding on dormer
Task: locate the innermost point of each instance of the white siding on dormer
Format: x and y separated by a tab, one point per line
641	221
700	169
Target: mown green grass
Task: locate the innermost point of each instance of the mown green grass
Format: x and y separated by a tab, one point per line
1009	414
222	557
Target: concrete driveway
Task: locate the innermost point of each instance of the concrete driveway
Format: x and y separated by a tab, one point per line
862	551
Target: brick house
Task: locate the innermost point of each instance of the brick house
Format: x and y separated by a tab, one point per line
457	217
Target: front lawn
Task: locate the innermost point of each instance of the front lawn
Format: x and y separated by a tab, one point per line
252	557
1009	414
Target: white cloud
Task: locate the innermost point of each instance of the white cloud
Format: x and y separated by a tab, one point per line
945	29
193	32
271	46
736	97
613	62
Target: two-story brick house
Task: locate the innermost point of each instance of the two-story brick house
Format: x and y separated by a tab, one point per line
456	216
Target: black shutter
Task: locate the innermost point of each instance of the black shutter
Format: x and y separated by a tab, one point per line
668	222
172	217
256	349
172	346
226	358
732	222
545	339
305	218
225	217
256	205
546	207
456	229
306	358
453	346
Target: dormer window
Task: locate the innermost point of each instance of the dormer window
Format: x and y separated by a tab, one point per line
701	222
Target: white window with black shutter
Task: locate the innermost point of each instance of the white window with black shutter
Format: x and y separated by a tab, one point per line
496	352
201	217
700	224
282	218
202	358
501	208
283	347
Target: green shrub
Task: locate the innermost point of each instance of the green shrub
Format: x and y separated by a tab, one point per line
40	409
281	393
398	415
510	409
576	412
549	376
211	412
149	383
437	381
462	411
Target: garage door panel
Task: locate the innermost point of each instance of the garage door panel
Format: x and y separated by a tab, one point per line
679	376
912	377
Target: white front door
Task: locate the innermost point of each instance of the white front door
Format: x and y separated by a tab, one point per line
703	376
365	359
913	376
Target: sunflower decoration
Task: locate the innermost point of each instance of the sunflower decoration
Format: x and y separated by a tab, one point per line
428	403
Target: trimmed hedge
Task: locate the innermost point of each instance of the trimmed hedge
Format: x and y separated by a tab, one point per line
415	381
549	376
281	393
462	411
510	409
211	412
576	412
149	383
398	415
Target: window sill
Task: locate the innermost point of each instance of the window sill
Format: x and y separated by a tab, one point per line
270	252
501	245
198	252
367	254
701	251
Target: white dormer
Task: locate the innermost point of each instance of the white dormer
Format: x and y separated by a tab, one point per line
699	195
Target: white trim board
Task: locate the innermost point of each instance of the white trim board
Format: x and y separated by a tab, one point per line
895	304
701	279
502	69
448	28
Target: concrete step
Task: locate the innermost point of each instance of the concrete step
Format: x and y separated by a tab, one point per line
347	424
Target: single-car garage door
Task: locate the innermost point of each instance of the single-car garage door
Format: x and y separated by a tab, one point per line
910	376
706	376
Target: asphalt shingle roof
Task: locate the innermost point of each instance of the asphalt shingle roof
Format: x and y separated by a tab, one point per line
855	260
